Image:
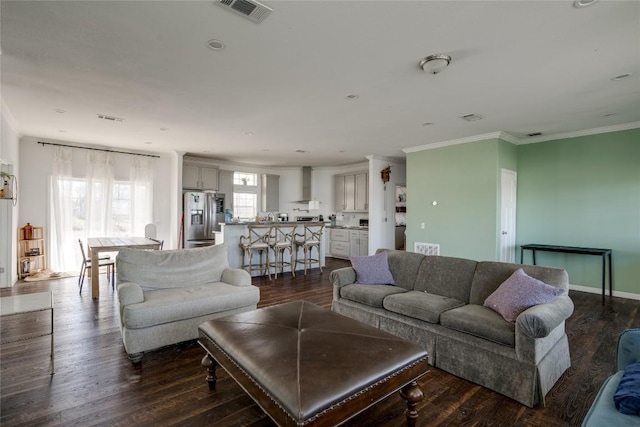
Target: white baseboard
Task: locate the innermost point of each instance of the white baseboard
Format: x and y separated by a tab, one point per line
591	290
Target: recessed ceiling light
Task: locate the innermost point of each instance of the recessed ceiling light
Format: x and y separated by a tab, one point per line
583	3
110	118
248	133
352	97
301	151
534	134
59	110
608	115
164	129
214	44
265	149
621	77
427	124
148	142
473	117
62	130
433	64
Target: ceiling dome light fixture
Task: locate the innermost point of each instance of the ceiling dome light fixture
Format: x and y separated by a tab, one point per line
433	64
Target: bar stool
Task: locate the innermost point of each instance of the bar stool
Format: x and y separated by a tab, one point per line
284	237
258	240
311	238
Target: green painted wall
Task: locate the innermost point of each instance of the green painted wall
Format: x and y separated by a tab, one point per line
583	192
462	179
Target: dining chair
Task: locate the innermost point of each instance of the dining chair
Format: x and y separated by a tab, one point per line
103	261
150	231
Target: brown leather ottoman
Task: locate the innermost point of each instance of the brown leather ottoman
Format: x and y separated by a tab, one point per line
307	366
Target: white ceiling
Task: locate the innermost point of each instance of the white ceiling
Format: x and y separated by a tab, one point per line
280	86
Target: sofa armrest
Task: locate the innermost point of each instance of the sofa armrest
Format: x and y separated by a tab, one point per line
538	321
236	277
343	276
130	293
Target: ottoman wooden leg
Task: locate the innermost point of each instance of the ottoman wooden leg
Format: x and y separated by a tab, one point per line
209	363
412	394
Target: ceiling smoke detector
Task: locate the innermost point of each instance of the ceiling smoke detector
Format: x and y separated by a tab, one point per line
250	9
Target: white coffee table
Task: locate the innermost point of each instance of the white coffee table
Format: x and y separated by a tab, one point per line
29	303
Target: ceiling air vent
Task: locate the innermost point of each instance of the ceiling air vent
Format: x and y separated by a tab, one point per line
250	9
473	117
110	118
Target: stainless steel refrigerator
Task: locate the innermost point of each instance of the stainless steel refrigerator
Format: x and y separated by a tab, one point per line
203	213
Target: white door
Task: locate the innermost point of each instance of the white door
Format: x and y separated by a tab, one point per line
509	181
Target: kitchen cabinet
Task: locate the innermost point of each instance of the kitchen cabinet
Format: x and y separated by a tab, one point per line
339	243
199	177
225	186
358	243
270	193
351	192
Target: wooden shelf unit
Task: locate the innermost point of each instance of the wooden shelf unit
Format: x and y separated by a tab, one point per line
26	250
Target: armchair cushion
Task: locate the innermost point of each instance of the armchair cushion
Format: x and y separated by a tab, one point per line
627	396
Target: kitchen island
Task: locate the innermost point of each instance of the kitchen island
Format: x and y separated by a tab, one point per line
231	232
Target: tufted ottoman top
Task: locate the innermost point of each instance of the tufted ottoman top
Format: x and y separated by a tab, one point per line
308	361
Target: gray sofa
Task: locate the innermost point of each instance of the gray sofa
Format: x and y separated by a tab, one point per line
164	296
437	302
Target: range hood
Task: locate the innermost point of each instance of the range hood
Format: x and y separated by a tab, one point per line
306	185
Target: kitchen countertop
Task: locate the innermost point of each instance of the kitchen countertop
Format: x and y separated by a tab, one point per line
275	223
349	227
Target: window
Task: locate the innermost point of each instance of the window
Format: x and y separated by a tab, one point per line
245	195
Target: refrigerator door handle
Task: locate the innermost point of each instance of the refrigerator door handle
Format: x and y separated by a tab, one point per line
207	215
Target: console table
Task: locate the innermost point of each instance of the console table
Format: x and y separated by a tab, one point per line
604	253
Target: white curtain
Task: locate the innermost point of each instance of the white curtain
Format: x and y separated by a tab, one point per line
99	194
63	247
141	177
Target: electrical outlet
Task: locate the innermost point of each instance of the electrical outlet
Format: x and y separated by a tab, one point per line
422	225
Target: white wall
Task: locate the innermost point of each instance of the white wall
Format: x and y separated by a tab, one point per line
382	202
9	162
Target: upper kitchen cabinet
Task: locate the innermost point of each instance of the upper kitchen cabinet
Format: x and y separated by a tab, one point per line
351	192
199	177
270	193
225	186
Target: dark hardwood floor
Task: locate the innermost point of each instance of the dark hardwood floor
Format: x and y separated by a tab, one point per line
95	384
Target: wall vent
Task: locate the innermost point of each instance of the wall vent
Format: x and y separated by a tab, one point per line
250	9
426	248
473	117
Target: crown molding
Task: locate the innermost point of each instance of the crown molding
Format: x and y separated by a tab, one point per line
576	134
522	141
494	135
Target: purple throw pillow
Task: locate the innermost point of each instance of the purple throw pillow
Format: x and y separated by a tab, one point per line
518	293
372	270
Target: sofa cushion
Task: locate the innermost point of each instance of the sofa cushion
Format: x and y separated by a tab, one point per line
490	274
519	292
446	276
171	305
420	305
404	266
372	270
173	268
372	295
481	322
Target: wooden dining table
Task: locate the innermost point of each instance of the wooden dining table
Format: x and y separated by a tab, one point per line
113	244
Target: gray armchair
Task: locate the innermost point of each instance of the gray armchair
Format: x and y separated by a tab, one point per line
603	412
